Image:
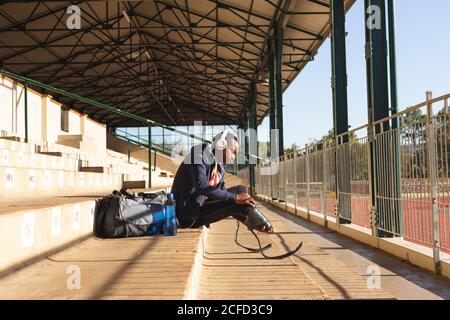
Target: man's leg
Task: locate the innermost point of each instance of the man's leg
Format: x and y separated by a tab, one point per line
213	211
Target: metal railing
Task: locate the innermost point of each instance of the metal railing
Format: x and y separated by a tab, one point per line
407	155
167	141
141	141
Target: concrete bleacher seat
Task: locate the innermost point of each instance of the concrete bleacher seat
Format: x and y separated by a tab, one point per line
93	169
49	168
131	268
163	174
38	226
55	154
78	141
25	173
49	191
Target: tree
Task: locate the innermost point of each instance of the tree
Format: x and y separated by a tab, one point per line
330	135
413	134
264	148
442	134
291	148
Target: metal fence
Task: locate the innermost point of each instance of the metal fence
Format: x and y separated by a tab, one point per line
390	176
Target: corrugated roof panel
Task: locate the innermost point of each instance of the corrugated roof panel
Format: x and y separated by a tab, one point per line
191	60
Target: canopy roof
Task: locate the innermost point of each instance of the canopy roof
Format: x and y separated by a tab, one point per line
172	61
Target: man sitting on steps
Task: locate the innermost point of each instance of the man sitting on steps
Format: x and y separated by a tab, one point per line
199	188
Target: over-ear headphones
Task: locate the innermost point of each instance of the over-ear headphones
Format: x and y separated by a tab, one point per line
221	144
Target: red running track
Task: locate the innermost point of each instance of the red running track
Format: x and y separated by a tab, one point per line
416	216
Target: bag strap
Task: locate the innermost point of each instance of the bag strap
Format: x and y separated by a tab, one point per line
151	195
127	193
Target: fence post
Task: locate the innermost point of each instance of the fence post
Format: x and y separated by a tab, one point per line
307	180
163	141
432	176
295	180
372	185
283	183
323	192
277	181
271	183
149	141
336	181
446	135
129	151
285	158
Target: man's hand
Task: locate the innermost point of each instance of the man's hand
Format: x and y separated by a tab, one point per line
245	198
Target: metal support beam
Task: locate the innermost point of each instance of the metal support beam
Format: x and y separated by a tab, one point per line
163	140
272	111
271	79
278	50
394	100
253	126
276	93
383	194
376	58
149	156
129	151
339	69
154	159
26	110
246	147
340	107
239	158
392	60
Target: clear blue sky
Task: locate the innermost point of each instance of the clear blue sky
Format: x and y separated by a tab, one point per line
423	63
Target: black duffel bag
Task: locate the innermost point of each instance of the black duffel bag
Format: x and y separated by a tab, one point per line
125	214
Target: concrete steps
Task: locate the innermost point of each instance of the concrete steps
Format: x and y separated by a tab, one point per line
48	195
133	268
78	141
36	227
25	183
28	170
136	184
11	138
32	227
93	169
55	154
